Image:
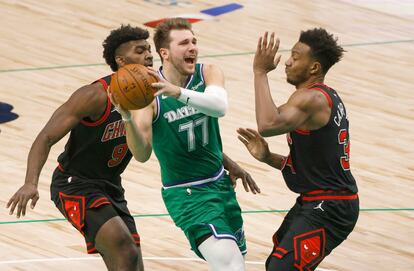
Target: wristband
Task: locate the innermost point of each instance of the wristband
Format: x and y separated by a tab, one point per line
127	119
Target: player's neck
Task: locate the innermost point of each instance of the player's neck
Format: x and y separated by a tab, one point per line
311	81
173	75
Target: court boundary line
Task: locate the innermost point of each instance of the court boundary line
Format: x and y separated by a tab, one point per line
243	212
200	57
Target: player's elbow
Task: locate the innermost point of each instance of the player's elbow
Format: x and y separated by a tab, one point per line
264	130
267	129
221	109
142	156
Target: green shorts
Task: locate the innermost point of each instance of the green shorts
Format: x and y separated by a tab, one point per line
206	209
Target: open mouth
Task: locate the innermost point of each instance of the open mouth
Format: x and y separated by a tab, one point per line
190	60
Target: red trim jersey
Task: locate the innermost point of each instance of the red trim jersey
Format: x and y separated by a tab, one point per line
97	149
319	159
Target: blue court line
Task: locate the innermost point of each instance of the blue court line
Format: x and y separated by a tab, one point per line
244	212
205	56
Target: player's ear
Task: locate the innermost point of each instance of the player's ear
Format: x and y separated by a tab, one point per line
120	61
315	68
164	53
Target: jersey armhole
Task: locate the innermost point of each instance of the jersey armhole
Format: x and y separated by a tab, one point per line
107	110
324	93
158	104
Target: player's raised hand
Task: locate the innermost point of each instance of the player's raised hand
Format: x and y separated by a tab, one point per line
255	143
265	58
21	198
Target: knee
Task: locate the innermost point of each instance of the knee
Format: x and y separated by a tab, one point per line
222	254
128	248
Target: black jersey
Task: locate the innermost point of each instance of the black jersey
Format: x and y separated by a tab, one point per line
97	149
319	159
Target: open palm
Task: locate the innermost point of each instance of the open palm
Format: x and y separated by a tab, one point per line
254	143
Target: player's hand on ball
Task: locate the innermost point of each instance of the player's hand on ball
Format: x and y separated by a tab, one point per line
163	86
124	113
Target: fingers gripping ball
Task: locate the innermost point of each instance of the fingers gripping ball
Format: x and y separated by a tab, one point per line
131	86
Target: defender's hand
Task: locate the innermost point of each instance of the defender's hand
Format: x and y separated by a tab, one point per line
264	59
21	198
255	143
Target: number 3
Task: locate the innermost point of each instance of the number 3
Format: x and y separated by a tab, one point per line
343	139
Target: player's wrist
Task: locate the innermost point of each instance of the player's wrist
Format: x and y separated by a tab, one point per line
184	95
126	117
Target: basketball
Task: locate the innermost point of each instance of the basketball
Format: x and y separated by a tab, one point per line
131	86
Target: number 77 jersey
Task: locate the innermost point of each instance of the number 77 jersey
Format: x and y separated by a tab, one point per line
186	142
319	159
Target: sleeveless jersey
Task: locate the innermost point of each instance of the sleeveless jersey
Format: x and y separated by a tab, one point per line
97	149
319	159
186	142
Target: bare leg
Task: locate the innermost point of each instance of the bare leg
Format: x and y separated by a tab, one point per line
116	245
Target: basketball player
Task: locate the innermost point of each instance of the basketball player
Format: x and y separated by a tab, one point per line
181	125
315	121
86	185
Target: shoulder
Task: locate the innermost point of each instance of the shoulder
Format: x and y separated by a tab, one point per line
91	99
211	68
309	100
213	74
91	93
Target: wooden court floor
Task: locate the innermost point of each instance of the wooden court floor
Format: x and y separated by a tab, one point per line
50	48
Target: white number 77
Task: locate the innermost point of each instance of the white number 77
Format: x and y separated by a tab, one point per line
190	126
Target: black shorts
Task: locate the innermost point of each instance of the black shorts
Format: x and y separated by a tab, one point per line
316	224
87	204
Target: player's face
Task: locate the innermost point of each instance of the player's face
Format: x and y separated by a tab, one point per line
183	51
298	65
138	52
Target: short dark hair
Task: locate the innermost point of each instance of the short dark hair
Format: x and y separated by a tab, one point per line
120	36
324	47
162	31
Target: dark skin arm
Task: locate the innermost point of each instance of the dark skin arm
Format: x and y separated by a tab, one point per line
236	172
88	101
305	109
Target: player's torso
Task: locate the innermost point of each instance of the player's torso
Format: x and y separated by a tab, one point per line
97	149
186	142
319	159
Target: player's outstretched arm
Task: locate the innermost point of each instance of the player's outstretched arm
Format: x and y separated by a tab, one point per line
259	149
265	60
86	101
236	172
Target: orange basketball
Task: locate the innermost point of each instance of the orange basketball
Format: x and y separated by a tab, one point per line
131	86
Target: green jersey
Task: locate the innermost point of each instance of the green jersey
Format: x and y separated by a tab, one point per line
186	142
